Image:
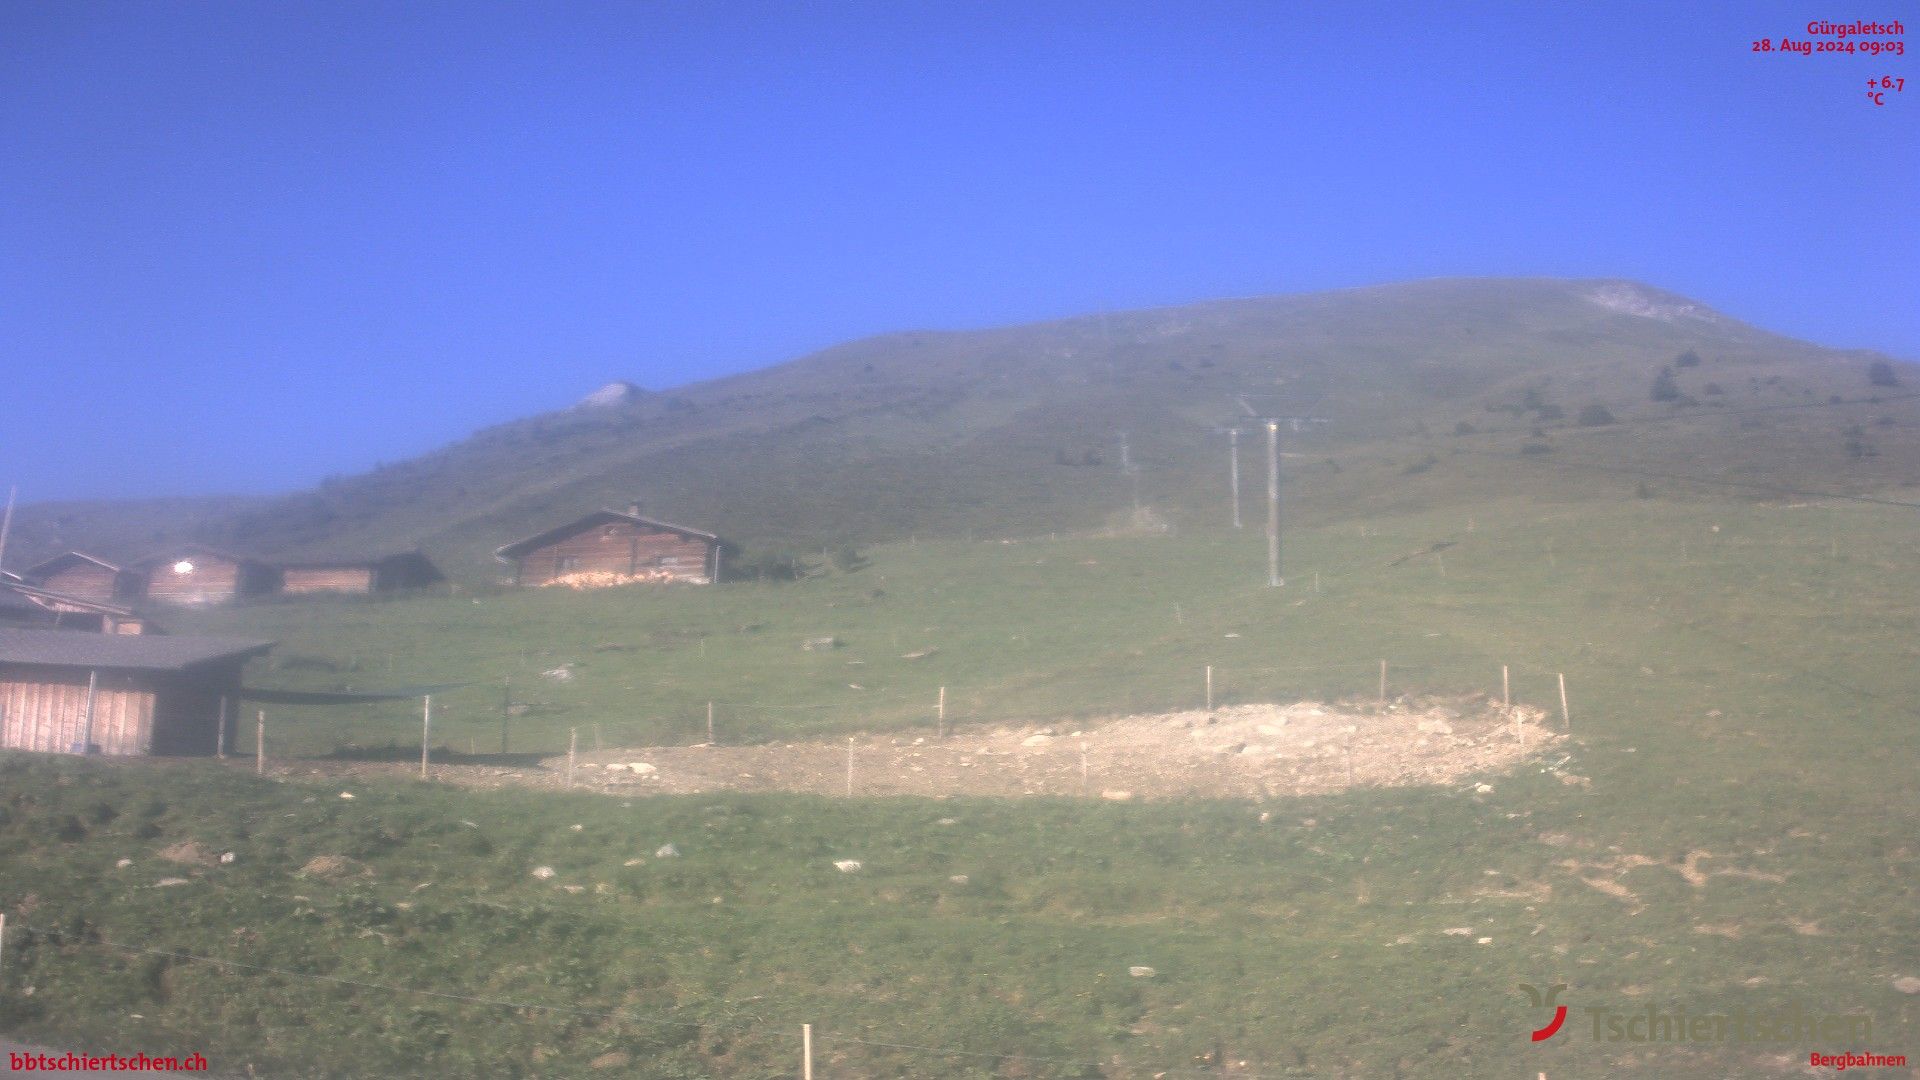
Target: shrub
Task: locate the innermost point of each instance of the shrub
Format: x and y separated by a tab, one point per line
767	565
1881	373
1665	386
1596	416
1687	359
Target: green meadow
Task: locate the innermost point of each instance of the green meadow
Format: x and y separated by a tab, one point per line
1740	676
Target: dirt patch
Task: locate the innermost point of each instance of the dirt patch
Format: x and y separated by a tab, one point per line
1248	751
188	853
334	868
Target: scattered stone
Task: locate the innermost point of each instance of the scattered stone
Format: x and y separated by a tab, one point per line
1458	931
635	861
169	882
346	794
1907	984
543	872
1141	971
667	851
574	890
1036	740
563	673
1435	727
921	654
847	866
576	827
948	821
1117	796
640	768
816	644
123	864
227	858
1483	789
1483	941
958	879
613	1059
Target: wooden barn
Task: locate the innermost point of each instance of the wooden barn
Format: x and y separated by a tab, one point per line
194	574
26	605
69	692
76	573
388	573
608	547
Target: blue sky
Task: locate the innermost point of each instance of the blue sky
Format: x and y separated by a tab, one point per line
244	246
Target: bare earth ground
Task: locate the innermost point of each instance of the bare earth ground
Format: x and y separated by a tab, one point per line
1238	752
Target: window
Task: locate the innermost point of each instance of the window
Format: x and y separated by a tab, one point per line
568	564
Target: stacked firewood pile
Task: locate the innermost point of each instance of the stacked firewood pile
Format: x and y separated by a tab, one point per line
601	579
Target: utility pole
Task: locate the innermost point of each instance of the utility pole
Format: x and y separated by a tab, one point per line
1233	471
1273	505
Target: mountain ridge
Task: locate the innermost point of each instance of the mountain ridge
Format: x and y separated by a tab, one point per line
1017	428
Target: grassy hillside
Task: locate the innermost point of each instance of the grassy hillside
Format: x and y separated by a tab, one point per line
1016	431
1738	832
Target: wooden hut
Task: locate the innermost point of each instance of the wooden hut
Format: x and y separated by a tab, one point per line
26	605
195	574
608	547
69	692
78	574
409	570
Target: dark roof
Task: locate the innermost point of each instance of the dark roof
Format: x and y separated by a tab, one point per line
370	561
48	566
125	652
598	517
23	591
174	553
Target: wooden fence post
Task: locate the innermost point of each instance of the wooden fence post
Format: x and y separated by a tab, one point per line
1209	687
849	768
260	744
1383	682
1506	689
806	1052
1566	715
940	716
573	746
711	741
506	710
426	731
220	736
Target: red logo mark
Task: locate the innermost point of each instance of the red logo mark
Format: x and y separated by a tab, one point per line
1559	1011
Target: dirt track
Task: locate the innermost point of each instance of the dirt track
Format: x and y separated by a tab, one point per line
1250	751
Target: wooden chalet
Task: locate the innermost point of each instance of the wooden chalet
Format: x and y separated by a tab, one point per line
608	547
78	574
410	570
26	605
195	574
69	692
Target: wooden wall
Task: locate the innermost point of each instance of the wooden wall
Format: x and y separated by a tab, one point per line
620	547
213	580
46	709
340	579
84	580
